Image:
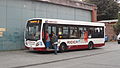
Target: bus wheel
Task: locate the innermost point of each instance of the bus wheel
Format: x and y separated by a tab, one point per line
62	47
90	45
118	42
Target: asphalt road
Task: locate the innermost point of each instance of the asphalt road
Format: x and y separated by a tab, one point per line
103	57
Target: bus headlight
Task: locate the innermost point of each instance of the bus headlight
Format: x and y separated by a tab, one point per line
37	44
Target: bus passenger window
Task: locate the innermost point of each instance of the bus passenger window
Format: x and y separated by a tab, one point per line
73	32
49	29
60	32
80	33
90	32
54	29
65	32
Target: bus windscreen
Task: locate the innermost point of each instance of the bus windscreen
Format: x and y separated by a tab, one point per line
33	30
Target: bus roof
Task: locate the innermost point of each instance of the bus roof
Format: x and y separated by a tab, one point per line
69	22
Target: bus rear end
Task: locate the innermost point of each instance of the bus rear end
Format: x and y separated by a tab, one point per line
33	35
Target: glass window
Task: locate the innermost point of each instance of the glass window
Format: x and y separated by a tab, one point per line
65	32
81	32
73	32
90	32
97	32
60	32
54	29
49	29
33	31
102	32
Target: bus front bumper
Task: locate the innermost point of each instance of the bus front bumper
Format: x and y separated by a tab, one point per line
39	49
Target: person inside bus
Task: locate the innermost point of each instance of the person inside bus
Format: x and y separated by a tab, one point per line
74	34
86	36
54	40
89	33
47	38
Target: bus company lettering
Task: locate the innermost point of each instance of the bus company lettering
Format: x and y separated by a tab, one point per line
73	42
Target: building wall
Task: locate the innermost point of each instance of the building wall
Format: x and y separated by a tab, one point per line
14	13
109	31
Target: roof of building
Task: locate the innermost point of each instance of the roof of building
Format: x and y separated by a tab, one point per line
109	21
72	3
80	1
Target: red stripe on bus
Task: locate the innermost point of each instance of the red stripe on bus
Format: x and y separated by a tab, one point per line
37	49
71	47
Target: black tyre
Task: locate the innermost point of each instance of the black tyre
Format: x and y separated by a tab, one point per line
62	48
118	42
90	45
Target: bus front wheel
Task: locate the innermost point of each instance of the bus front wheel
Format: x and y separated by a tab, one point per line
63	47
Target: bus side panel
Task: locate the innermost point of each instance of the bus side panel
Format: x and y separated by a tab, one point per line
73	47
98	42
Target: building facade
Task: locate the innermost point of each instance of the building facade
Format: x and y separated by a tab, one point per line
109	30
14	13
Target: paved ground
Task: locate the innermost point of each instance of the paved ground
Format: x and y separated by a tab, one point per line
103	57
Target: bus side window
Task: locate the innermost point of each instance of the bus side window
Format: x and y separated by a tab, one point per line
73	32
80	32
102	32
65	32
54	29
49	29
90	32
60	32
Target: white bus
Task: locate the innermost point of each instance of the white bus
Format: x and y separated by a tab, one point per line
71	34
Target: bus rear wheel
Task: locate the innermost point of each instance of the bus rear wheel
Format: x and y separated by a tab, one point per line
62	48
90	45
